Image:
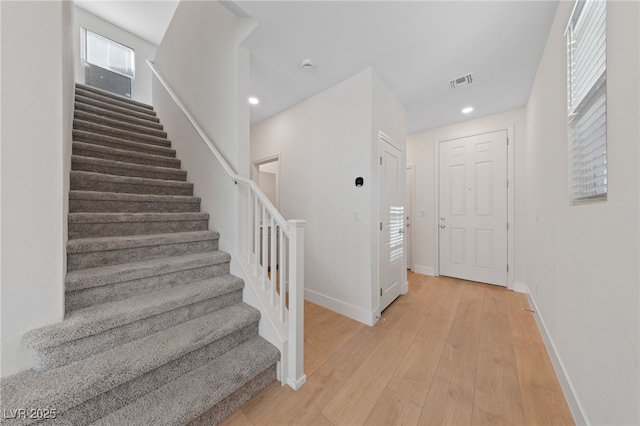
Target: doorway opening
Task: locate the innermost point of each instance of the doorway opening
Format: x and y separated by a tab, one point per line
266	174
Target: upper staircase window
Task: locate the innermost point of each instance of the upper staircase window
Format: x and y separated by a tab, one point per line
108	65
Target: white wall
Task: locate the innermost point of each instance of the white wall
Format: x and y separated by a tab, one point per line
421	152
210	77
583	260
143	50
36	123
199	57
324	143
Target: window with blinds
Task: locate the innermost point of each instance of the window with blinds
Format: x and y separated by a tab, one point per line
108	65
587	101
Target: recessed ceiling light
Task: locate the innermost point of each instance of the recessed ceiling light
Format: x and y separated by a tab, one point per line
307	64
467	110
254	101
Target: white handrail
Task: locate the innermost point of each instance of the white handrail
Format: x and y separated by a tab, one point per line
271	269
225	165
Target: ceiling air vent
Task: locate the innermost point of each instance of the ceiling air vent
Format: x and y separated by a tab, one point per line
462	81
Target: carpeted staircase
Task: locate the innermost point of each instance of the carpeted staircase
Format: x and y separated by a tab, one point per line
155	331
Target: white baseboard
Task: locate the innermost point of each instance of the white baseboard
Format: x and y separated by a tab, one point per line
340	307
424	270
570	394
296	384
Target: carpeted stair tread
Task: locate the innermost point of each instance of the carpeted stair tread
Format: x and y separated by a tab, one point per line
99	131
84	225
116	398
86	245
100	165
72	384
97	319
117	102
106	275
113	142
112	95
106	113
90	181
92	201
84	253
91	150
194	393
96	102
134	217
118	124
118	286
171	314
130	135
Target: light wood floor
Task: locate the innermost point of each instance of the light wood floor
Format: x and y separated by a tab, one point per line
448	352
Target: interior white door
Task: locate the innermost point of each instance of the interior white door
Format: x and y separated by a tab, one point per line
472	218
407	214
391	213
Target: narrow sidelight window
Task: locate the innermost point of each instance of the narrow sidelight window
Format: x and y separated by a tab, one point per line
587	101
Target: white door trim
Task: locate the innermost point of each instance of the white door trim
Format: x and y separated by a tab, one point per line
410	210
255	176
404	285
510	198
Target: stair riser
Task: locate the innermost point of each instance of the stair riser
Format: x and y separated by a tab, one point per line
120	396
86	107
113	206
118	291
118	124
216	414
86	230
108	153
124	145
109	95
83	348
121	134
125	171
118	103
137	254
80	184
115	108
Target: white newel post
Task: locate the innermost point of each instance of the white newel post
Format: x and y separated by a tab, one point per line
295	375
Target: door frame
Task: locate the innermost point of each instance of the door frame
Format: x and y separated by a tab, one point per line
410	209
510	198
255	175
404	284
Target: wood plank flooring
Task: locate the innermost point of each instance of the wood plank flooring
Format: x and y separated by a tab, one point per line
448	352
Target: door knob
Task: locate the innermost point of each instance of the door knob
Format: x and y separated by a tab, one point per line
442	226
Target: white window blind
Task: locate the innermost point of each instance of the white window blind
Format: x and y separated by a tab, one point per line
587	101
108	54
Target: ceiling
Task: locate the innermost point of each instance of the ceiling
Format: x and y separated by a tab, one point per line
417	47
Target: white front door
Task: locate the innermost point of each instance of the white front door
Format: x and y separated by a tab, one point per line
391	213
472	220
